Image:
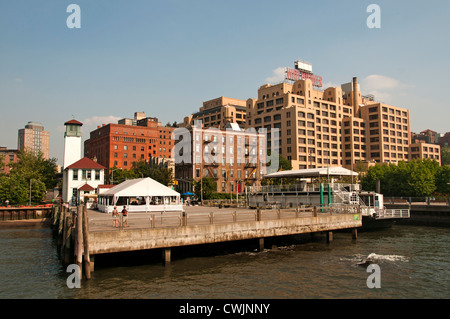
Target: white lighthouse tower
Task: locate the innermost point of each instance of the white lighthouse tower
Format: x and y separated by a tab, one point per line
72	154
72	142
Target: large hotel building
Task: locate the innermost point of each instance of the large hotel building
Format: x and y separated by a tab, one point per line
334	127
337	126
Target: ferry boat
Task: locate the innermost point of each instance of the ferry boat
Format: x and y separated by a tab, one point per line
310	189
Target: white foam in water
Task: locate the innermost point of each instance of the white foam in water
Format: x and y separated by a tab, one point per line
373	257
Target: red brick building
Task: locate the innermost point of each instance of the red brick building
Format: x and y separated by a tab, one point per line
8	156
120	145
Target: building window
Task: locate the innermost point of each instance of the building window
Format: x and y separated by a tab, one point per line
86	175
75	175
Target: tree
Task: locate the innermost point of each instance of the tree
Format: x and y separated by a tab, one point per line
16	189
159	173
445	155
30	171
207	184
442	180
283	165
36	167
415	178
141	169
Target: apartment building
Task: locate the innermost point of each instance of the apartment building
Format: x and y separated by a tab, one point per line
233	157
337	126
219	113
120	144
388	132
35	139
421	150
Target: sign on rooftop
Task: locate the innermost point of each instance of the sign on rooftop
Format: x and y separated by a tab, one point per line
303	71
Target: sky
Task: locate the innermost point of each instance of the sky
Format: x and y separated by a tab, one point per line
167	57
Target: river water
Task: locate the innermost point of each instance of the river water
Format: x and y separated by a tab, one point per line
413	263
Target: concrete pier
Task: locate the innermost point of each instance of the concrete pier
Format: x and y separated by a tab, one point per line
93	232
130	239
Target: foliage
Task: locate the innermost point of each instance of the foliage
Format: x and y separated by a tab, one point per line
283	165
207	184
32	170
415	178
445	155
142	169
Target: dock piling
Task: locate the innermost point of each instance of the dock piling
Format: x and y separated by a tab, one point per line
79	240
166	256
87	262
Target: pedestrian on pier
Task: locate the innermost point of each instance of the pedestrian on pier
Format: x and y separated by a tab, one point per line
115	216
125	216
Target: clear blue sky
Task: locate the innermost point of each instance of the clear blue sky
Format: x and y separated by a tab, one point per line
167	57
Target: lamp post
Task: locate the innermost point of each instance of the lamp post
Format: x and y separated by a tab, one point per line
31	180
112	174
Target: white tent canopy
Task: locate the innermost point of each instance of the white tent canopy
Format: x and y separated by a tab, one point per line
313	172
140	187
141	194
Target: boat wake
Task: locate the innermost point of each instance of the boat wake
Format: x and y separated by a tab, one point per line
375	258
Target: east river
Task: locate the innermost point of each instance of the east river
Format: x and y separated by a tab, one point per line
413	263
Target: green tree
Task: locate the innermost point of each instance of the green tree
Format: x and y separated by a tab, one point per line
415	178
283	165
445	155
30	171
32	166
159	173
443	181
207	184
16	189
141	169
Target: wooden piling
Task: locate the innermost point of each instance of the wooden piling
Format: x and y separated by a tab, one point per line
79	240
166	256
329	236
87	262
64	239
354	233
260	244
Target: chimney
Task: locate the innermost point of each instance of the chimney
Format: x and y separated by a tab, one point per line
356	98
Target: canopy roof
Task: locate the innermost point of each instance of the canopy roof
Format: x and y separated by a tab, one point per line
313	172
140	187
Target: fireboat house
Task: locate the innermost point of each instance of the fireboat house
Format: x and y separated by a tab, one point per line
140	195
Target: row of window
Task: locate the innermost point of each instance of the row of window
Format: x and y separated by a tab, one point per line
86	174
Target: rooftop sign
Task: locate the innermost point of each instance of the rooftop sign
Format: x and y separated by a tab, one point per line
296	74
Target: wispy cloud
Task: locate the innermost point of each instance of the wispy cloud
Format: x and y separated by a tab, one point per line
99	120
382	87
91	123
277	75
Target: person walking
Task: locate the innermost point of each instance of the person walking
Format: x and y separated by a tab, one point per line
125	216
115	216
